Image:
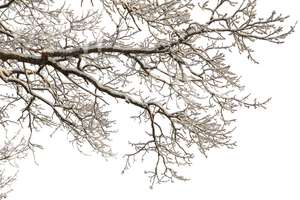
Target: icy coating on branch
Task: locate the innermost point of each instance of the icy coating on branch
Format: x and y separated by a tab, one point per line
165	57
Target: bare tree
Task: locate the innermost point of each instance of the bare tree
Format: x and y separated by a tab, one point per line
165	57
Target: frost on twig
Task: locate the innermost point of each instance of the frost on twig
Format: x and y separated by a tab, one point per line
64	70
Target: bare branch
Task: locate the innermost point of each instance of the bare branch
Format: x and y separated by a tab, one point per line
6	4
64	70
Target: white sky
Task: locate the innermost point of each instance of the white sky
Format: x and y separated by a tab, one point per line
265	165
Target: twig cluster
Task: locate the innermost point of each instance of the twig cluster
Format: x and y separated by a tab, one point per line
64	70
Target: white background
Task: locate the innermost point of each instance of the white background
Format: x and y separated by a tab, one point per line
264	165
